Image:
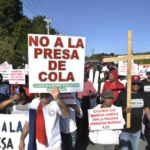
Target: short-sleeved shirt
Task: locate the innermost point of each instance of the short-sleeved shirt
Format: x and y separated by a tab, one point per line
68	125
138	102
51	114
146	85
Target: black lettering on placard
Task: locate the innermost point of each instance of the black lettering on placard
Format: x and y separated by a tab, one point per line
11	130
9	144
4	127
19	128
4	144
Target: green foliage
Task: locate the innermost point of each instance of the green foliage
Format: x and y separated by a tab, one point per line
14	29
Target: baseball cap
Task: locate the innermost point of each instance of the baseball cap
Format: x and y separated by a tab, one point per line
108	94
135	79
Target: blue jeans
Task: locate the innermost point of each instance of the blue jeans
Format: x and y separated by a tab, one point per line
129	141
68	140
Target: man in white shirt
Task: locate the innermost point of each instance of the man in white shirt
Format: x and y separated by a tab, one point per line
68	126
47	109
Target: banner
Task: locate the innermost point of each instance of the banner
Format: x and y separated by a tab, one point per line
56	61
10	131
142	70
106	118
17	76
68	98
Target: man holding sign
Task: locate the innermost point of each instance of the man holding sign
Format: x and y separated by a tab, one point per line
139	100
43	122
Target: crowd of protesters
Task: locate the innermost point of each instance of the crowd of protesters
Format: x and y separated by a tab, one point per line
58	126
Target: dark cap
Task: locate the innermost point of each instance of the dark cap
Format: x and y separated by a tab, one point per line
136	79
108	94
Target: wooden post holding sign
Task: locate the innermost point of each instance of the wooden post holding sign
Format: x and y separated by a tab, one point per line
128	58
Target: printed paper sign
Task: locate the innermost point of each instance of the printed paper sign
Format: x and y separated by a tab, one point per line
142	70
68	98
10	131
56	61
26	69
106	118
5	66
122	68
17	76
5	74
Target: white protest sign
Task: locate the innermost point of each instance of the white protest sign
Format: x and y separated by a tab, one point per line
142	70
56	61
10	131
122	68
68	98
17	76
106	118
27	69
5	74
5	66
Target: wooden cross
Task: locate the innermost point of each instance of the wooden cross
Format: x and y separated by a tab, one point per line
128	58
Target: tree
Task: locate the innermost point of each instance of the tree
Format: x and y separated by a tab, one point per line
14	29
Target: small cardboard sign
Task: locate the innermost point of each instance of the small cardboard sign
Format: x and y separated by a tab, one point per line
5	74
143	70
106	118
68	98
17	76
122	68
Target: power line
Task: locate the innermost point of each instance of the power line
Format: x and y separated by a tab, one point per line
50	17
32	7
29	9
36	6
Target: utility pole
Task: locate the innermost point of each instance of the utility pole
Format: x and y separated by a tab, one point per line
48	26
93	51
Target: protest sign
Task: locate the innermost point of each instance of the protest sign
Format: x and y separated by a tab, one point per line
5	66
56	61
17	76
142	70
68	98
10	131
5	74
122	68
26	69
106	118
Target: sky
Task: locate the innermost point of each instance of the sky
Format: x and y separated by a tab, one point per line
104	23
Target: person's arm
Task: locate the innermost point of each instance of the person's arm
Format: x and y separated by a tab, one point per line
119	103
23	136
5	103
63	107
77	110
147	111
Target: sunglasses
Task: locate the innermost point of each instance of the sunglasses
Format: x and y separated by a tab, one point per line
138	84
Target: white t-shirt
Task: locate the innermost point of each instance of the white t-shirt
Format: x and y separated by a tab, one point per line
68	125
51	114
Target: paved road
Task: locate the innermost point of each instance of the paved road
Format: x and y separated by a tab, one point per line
96	147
